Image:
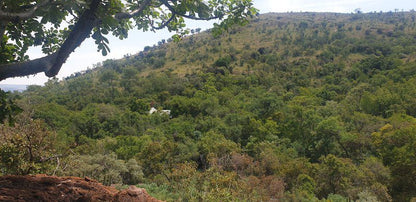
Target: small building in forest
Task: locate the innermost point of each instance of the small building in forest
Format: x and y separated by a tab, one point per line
161	112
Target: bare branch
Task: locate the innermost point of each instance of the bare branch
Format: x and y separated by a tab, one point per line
57	166
164	24
43	159
125	15
172	9
7	16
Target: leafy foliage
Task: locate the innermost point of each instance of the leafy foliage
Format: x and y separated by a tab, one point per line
105	168
8	109
27	147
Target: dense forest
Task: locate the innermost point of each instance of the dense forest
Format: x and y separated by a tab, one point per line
291	107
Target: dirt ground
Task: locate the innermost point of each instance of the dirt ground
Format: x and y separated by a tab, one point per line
51	188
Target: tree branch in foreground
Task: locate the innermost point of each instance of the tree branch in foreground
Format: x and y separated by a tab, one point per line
51	64
125	15
173	10
27	68
7	16
80	32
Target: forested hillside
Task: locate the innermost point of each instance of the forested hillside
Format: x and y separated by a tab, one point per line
293	107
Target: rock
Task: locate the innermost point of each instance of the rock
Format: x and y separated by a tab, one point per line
51	188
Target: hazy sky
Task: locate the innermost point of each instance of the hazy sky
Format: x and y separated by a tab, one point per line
86	55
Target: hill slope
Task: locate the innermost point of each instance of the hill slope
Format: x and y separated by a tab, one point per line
293	106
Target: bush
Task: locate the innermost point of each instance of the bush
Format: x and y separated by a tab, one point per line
106	169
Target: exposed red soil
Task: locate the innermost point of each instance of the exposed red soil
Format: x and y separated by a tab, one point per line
51	188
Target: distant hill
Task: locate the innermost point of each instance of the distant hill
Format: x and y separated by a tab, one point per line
275	39
13	87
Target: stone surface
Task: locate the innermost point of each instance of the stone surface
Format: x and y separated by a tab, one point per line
51	188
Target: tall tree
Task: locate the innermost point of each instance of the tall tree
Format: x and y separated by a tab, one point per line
28	23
